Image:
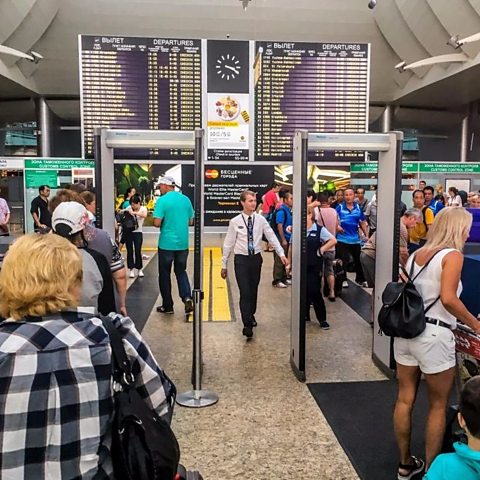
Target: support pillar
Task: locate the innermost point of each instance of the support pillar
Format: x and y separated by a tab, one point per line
44	126
464	137
387	119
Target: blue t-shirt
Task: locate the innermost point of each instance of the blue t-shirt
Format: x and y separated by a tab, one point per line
284	216
175	210
350	221
464	464
325	235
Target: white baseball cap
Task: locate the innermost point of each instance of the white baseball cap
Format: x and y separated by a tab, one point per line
69	218
167	180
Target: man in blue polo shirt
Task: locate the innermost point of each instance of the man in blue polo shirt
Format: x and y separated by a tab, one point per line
173	214
350	219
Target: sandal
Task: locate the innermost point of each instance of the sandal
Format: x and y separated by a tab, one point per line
417	466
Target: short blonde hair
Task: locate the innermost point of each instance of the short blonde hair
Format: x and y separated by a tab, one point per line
38	276
449	229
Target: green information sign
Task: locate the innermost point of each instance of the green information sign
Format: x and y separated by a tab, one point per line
449	167
371	167
58	163
36	178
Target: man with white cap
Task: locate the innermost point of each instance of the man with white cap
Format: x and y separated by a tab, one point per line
173	214
69	220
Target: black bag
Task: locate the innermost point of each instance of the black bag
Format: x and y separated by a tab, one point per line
129	222
403	311
340	277
143	445
453	431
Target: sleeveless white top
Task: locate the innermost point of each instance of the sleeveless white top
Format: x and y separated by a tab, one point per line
428	285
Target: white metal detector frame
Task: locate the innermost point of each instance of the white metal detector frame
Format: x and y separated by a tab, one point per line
106	140
389	146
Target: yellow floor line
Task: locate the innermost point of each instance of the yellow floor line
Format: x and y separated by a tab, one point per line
206	284
220	303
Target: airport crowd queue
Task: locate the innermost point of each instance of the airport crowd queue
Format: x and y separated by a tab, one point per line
63	291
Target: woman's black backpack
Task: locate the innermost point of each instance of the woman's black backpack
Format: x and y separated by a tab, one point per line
403	311
144	446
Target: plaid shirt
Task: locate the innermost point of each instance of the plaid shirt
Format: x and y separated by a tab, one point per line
56	397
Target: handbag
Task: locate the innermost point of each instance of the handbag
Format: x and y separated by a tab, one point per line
144	446
403	312
129	222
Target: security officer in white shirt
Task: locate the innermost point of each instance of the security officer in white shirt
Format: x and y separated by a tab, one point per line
244	237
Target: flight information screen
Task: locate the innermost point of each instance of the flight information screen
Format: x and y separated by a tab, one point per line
140	83
321	87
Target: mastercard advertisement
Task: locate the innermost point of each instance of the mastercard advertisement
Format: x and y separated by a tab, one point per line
212	174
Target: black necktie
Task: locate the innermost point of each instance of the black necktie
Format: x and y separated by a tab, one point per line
251	246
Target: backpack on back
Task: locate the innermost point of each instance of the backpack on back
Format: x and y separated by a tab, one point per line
403	312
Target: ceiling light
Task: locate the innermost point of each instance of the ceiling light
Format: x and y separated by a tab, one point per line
245	3
34	57
426	62
457	42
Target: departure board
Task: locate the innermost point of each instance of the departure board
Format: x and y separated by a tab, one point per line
321	87
140	83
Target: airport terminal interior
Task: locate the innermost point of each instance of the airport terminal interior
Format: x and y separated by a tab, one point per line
203	135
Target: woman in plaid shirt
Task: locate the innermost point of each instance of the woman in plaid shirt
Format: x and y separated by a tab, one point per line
55	368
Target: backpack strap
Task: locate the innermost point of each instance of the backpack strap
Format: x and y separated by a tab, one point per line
122	370
421	270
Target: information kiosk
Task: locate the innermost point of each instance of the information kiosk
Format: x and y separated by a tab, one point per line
389	146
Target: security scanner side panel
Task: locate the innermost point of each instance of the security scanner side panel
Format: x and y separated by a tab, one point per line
386	264
299	267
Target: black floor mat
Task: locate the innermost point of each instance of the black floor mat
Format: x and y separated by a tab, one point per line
361	415
142	295
358	300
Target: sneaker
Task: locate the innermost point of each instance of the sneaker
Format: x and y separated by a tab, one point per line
145	257
132	273
288	281
141	274
364	284
325	325
410	470
162	309
280	285
345	284
248	332
188	305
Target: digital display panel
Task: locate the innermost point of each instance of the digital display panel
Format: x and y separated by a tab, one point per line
140	83
321	87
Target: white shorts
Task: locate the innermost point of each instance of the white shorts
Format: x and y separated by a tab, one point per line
433	351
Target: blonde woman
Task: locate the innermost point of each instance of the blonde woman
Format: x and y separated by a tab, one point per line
432	352
55	367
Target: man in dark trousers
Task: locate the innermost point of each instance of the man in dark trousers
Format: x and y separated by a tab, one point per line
42	218
244	238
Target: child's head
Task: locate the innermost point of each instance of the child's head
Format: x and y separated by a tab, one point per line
469	416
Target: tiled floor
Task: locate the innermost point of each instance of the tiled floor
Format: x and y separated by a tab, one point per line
266	424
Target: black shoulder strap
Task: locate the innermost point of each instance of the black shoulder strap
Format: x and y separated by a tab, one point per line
122	367
321	216
423	267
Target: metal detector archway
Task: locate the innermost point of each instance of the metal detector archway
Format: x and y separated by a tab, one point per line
105	142
389	146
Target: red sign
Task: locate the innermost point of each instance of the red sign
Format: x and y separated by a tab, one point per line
467	343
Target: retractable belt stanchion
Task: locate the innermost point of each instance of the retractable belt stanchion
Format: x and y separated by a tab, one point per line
197	397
